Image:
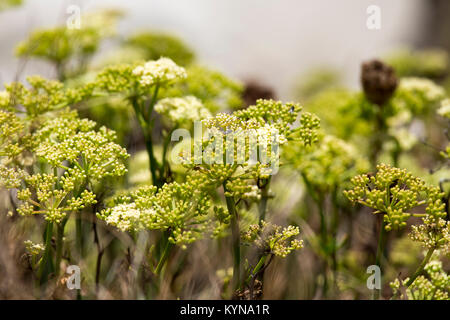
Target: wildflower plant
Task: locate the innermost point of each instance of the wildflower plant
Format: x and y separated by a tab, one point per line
155	45
326	168
272	239
181	211
387	106
395	193
433	285
240	152
53	158
70	49
140	85
43	96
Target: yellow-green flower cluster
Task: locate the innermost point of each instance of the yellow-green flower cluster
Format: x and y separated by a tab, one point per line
136	79
4	99
52	196
328	164
72	143
60	44
435	285
11	128
444	109
434	233
118	78
242	147
282	117
181	110
273	239
160	71
44	95
417	95
33	248
221	224
224	154
394	193
10	177
181	209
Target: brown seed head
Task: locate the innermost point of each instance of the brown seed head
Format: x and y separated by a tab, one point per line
378	81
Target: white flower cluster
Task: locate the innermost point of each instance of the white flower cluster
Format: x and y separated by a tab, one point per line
33	248
444	110
10	177
432	234
161	70
125	217
269	133
183	109
428	88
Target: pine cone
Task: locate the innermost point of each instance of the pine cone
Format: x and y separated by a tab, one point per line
378	81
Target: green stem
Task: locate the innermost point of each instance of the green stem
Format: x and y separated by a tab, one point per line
417	273
420	268
165	255
79	234
323	223
147	132
164	153
380	250
152	162
334	230
152	102
236	241
45	265
262	208
378	138
59	247
258	267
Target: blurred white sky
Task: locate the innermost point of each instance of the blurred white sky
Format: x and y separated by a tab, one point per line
272	41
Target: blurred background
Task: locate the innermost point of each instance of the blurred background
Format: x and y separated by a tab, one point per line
273	42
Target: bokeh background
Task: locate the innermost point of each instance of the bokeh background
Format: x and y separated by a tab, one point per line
273	42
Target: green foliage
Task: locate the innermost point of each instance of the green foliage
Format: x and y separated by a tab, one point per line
6	4
213	88
156	45
429	63
61	45
327	164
